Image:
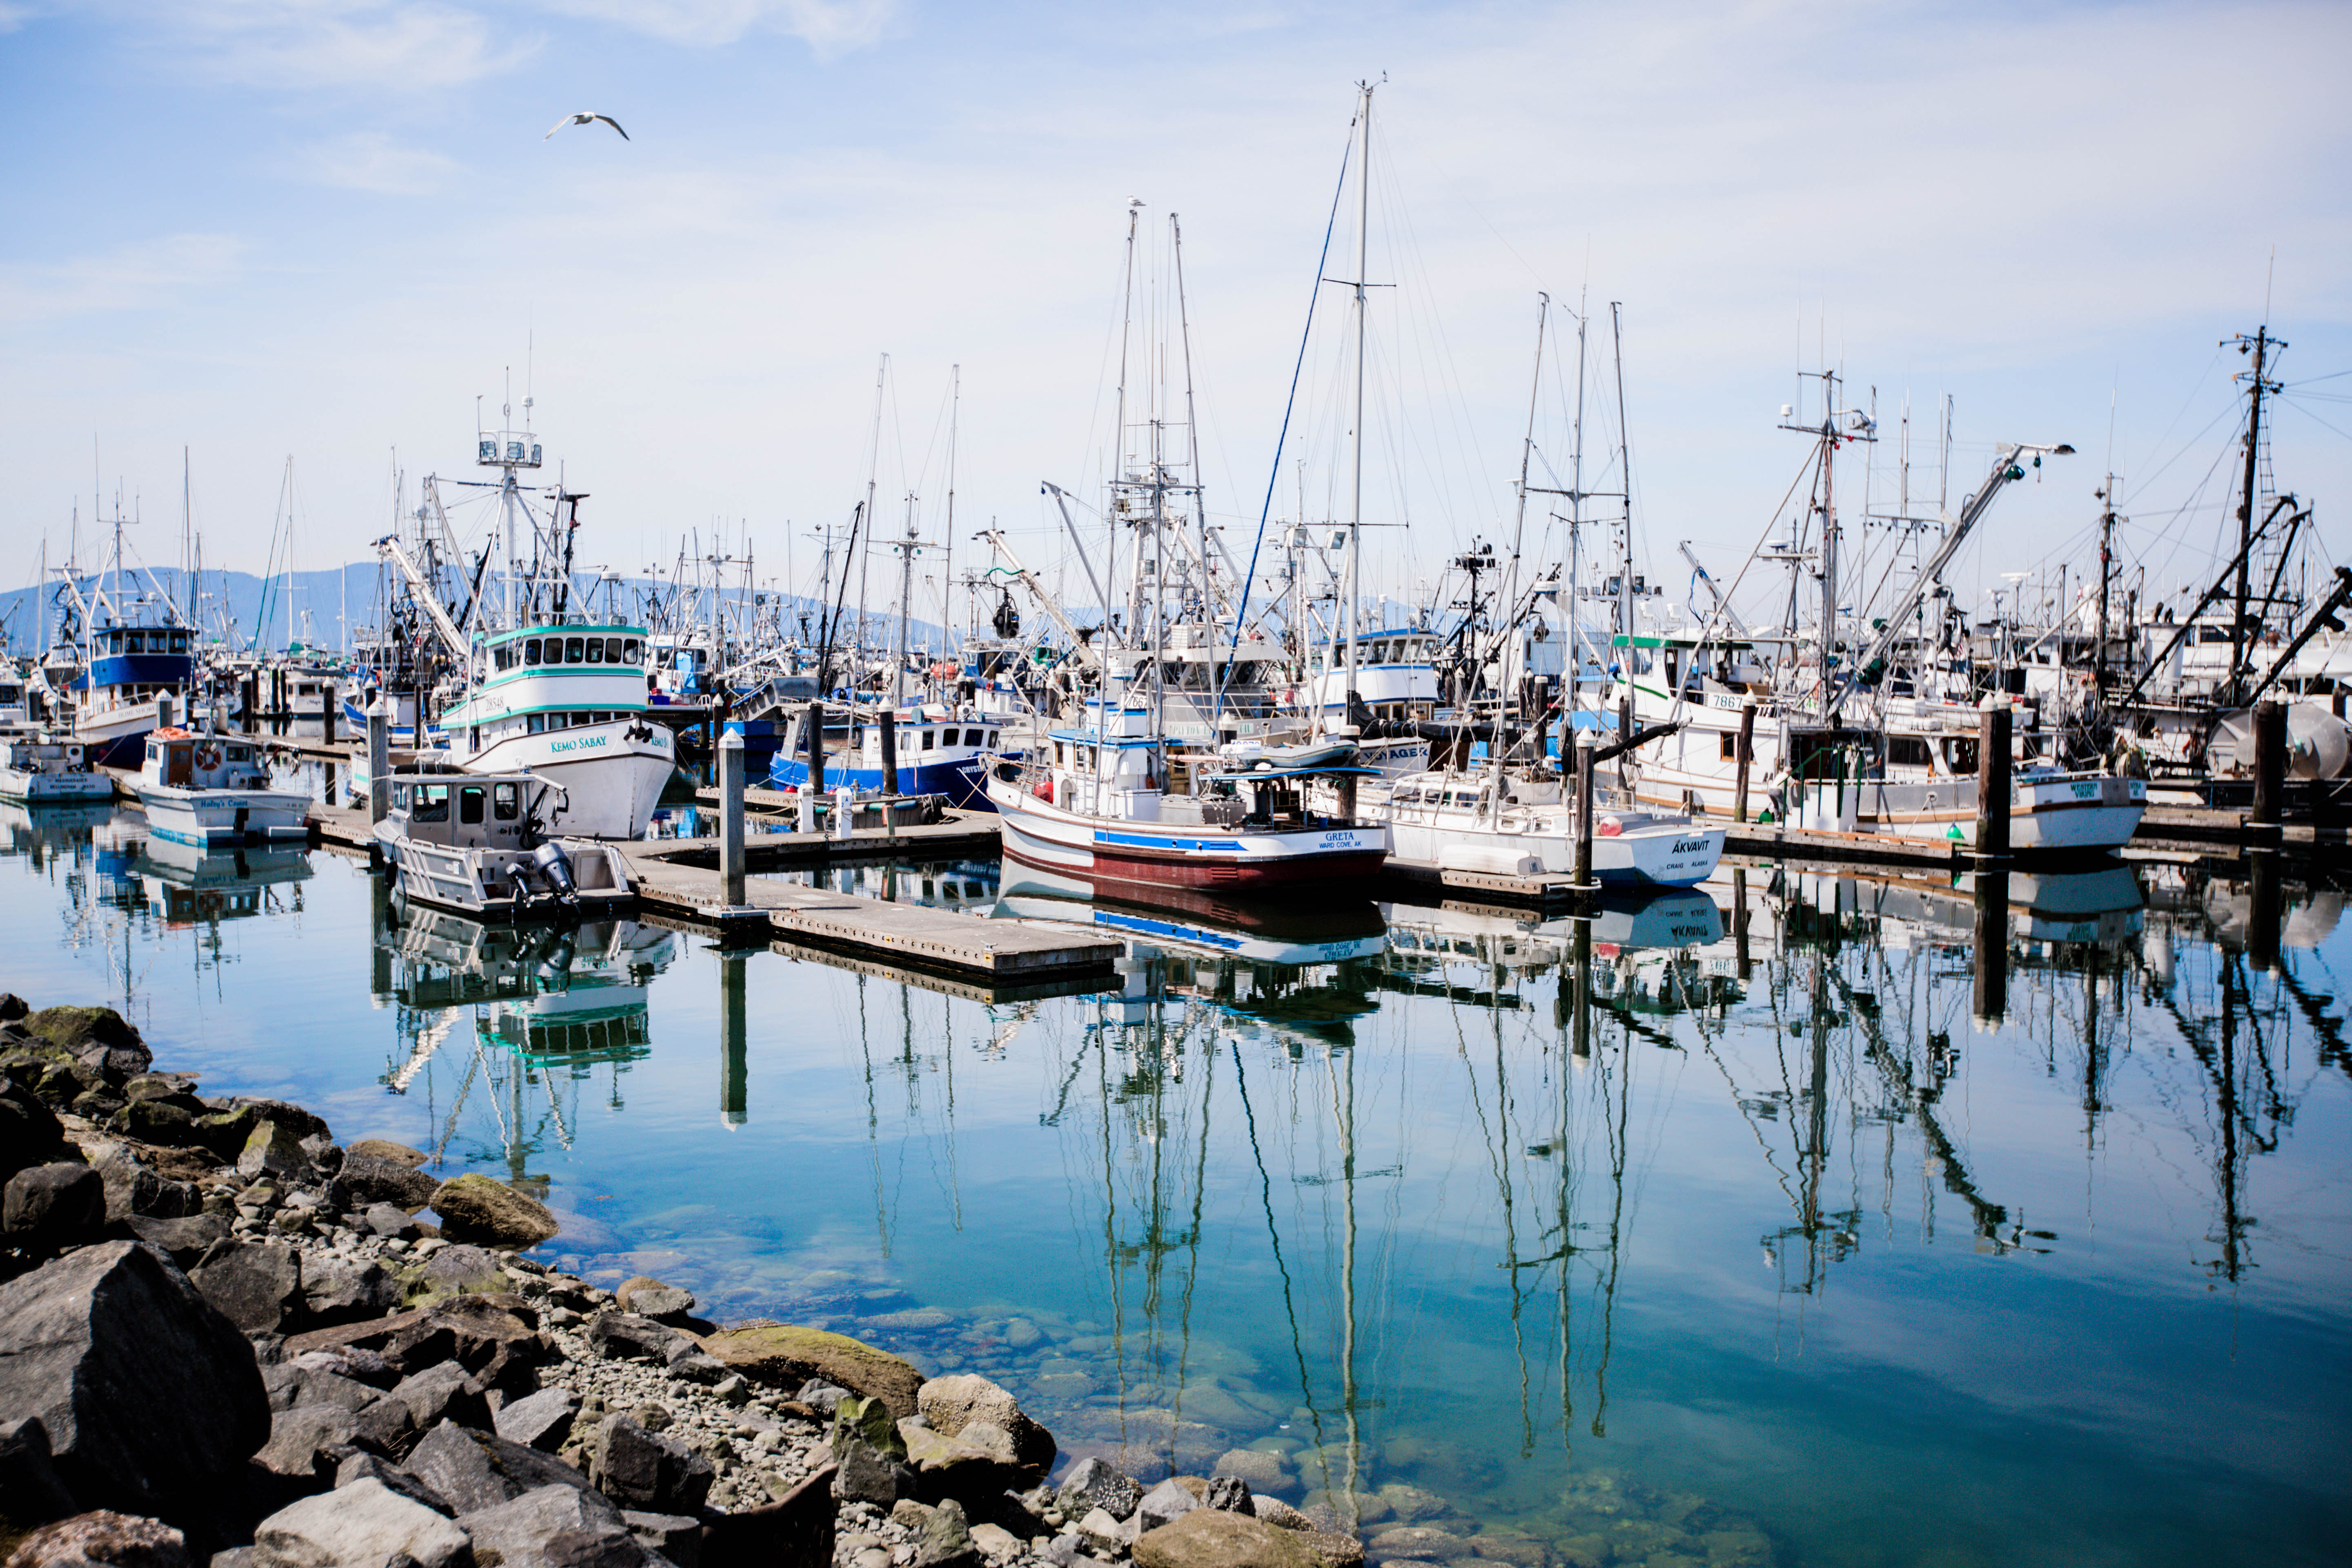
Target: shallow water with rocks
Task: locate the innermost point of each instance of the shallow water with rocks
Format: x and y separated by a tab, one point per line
1773	1237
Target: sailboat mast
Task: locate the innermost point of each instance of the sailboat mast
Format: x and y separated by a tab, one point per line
1356	497
1119	421
1575	518
1520	523
2262	342
946	572
873	471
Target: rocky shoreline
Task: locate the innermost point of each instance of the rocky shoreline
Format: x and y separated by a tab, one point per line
223	1336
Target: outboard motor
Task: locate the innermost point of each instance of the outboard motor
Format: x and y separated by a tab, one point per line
552	863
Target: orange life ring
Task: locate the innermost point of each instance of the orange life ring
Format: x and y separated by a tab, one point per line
209	757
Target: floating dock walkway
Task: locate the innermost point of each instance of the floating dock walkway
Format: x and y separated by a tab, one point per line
675	890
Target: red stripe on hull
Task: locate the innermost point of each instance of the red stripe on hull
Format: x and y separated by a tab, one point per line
1109	865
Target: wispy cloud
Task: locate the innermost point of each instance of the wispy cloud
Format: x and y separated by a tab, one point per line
830	28
315	44
144	276
373	161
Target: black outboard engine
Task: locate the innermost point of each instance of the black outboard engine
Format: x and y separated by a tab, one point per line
550	862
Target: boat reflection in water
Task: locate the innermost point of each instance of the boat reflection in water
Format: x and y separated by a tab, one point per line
527	1013
189	886
1278	934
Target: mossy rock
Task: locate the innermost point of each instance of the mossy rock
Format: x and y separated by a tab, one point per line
473	1207
786	1354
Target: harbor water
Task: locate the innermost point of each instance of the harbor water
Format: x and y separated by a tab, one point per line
1801	1218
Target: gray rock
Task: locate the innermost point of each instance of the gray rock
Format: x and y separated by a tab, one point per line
554	1527
1265	1472
456	1271
1334	1548
344	1290
367	1179
186	1238
118	1540
863	1473
1415	1542
628	1336
132	1187
1064	1550
440	1392
1164	1504
389	1220
541	1420
1415	1505
1230	1493
364	1523
675	1536
1278	1514
476	1209
249	1283
146	1393
46	1207
348	1362
650	1298
307	1442
945	1539
687	1360
30	1133
476	1470
819	1395
642	1469
951	1404
30	1492
275	1149
1098	1483
1111	1536
358	1467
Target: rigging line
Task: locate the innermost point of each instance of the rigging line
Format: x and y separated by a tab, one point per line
1274	475
2314	418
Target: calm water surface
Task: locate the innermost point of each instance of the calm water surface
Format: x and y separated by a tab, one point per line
1818	1234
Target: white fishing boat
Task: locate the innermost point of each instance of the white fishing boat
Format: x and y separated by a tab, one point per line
1095	804
1496	823
38	770
547	689
568	704
479	844
205	788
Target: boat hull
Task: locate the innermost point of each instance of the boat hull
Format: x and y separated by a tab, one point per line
613	775
963	783
205	817
1141	854
35	788
2049	815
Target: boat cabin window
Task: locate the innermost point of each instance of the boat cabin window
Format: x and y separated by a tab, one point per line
1406	796
1960	753
1907	751
530	650
575	651
400	797
629	651
505	800
991	737
469	803
535	724
240	753
432	803
595	650
931	739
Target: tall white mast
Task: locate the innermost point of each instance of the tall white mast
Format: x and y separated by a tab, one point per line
1356	498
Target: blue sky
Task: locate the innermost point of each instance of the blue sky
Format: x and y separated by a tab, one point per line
264	229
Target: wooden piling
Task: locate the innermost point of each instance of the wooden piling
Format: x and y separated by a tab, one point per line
1745	753
1992	783
1992	934
1585	745
890	754
815	725
2270	767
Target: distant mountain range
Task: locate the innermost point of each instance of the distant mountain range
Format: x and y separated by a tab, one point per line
240	610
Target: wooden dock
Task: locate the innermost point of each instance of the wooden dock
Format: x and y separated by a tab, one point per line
674	890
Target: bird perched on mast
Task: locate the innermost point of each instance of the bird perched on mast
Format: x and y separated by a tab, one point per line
585	120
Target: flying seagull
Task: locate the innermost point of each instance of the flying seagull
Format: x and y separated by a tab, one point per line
585	120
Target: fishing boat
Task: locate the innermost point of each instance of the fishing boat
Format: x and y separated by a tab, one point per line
940	750
1509	825
204	788
479	844
1095	804
549	691
40	768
